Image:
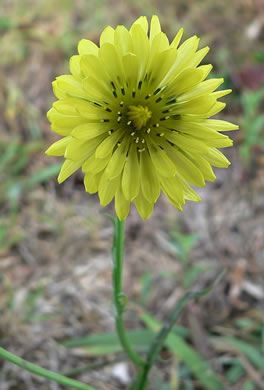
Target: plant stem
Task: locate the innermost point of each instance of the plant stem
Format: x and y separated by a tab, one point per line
63	380
119	298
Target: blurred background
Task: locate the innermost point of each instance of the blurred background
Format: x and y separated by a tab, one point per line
55	265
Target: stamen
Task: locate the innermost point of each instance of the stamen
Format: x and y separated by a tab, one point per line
123	90
139	85
114	93
141	150
106	120
118	144
137	139
133	93
107	109
133	133
148	96
121	103
157	91
110	132
129	123
149	130
119	119
159	99
156	125
113	85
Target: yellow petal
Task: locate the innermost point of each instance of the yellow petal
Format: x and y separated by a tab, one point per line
187	169
149	182
112	63
117	161
122	205
154	27
219	106
161	161
206	69
176	40
131	174
204	88
198	106
140	45
97	90
78	149
65	125
67	169
144	207
186	80
90	130
218	125
107	189
107	36
71	86
75	66
95	165
57	91
189	193
216	158
172	188
123	40
199	56
204	167
86	46
185	142
91	182
219	94
92	66
185	55
67	106
143	22
59	147
131	69
107	146
91	111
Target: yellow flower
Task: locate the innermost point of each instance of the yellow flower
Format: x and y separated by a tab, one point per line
134	115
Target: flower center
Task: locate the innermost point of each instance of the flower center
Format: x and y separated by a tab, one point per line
139	116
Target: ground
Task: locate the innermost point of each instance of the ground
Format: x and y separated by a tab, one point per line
55	241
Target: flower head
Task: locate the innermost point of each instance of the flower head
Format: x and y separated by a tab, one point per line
134	116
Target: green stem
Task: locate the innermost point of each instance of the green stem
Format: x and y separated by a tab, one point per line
119	298
63	380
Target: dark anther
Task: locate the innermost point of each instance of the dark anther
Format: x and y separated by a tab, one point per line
106	120
157	91
121	104
139	85
133	94
114	93
123	90
162	119
113	85
158	100
148	96
165	112
97	104
108	109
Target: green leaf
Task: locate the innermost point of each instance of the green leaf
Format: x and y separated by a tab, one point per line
251	352
106	343
248	385
197	365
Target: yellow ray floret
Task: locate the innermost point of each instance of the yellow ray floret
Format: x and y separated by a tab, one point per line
135	116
